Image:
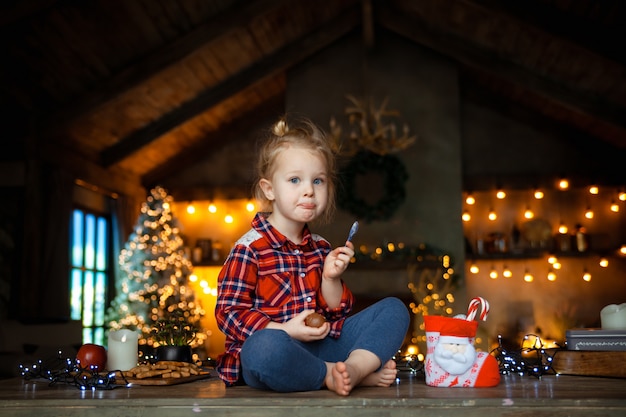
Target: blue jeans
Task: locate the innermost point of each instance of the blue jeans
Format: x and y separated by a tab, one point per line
272	360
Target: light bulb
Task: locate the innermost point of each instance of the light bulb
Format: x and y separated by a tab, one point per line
493	274
594	190
492	215
507	273
466	216
250	207
500	195
474	269
191	209
228	219
614	207
589	213
586	276
528	277
212	208
551	276
604	262
563	184
538	194
563	229
622	196
529	214
470	199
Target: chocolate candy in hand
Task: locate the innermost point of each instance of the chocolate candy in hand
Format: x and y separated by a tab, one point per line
314	320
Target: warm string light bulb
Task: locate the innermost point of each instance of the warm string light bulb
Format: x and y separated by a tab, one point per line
604	262
594	190
466	216
551	276
470	200
250	207
228	219
538	194
492	215
500	194
212	208
589	213
614	207
528	213
563	184
474	268
507	272
528	277
493	274
563	229
191	209
622	196
586	276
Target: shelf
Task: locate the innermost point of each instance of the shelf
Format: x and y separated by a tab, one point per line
532	254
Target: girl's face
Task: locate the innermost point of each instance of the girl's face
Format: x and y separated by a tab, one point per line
298	188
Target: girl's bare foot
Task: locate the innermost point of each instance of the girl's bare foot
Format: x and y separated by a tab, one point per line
338	378
382	378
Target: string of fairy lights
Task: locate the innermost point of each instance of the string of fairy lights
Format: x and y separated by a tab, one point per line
554	223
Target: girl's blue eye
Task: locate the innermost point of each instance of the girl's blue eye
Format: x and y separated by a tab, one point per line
318	181
294	180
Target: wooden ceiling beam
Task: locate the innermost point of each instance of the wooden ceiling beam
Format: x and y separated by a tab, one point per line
232	132
582	30
422	31
266	67
237	16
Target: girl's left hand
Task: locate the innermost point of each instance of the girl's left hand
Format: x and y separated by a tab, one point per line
297	328
337	261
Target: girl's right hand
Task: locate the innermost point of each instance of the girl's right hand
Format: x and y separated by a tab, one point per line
300	331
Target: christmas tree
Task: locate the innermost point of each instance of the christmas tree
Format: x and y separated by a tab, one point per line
154	274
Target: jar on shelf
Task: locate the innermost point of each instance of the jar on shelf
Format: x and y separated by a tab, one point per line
581	238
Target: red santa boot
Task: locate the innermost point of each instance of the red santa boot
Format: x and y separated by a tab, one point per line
451	359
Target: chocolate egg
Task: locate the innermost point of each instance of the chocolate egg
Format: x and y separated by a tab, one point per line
314	320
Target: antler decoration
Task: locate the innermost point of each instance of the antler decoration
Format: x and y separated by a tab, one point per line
370	130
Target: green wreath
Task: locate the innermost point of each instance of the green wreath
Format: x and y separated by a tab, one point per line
394	176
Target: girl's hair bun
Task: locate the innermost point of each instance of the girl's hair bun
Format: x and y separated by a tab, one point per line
280	129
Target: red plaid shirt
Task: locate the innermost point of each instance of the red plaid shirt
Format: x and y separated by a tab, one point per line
269	278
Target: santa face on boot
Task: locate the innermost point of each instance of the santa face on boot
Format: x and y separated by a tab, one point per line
454	354
451	359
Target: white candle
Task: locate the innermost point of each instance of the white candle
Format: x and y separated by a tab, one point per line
123	350
613	317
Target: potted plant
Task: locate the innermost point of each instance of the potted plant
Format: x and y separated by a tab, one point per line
174	335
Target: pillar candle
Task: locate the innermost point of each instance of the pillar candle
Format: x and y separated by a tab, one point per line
123	350
613	317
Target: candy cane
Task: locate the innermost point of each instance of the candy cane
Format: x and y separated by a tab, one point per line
473	308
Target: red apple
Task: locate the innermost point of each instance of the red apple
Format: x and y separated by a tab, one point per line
92	356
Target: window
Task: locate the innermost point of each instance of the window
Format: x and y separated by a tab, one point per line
90	272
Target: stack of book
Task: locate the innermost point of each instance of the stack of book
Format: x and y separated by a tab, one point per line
592	352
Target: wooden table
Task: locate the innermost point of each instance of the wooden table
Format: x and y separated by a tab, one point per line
550	395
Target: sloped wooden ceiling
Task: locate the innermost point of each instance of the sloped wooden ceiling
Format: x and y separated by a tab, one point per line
139	88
